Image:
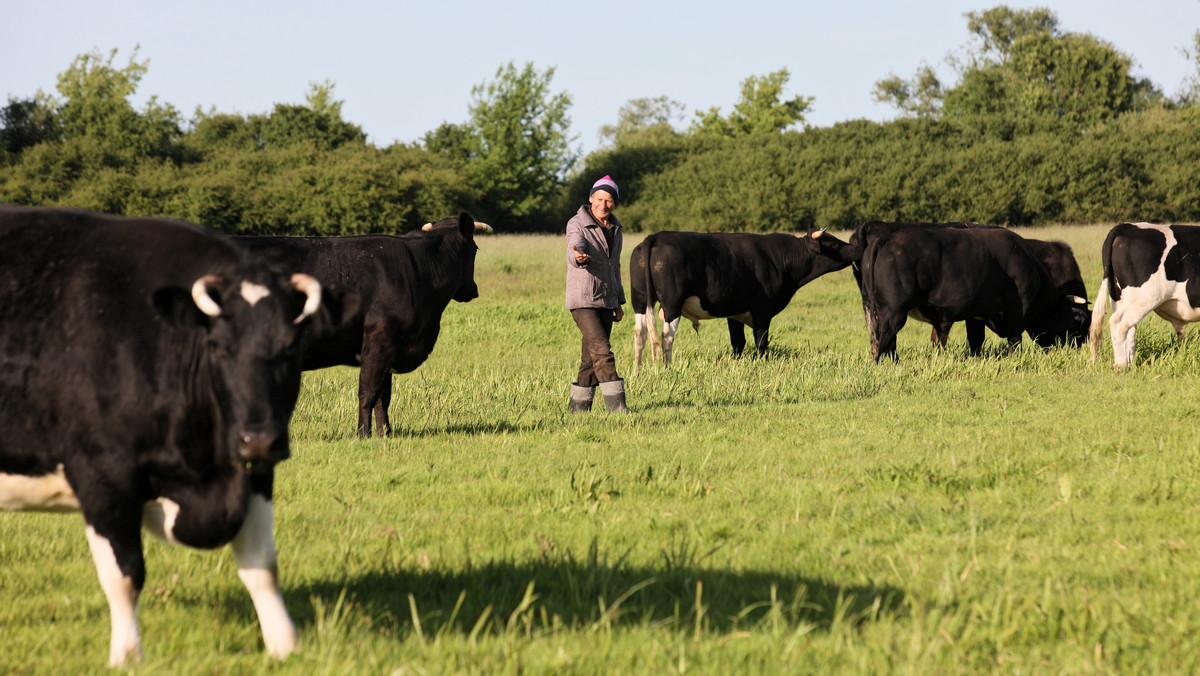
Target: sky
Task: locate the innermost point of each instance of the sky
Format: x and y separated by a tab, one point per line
403	68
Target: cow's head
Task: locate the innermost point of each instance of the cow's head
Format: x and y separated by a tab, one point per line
827	253
461	231
248	326
1069	322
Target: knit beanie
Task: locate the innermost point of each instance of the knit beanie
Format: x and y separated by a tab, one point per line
607	185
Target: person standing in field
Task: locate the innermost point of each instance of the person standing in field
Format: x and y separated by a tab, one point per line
595	296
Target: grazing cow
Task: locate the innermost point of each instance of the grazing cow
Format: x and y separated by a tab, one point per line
148	370
745	278
1147	268
405	284
1057	258
944	275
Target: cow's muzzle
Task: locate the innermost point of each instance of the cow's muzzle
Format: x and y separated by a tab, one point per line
259	450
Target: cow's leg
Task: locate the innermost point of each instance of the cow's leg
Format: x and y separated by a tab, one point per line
668	339
373	377
1122	328
974	337
762	336
383	421
640	329
940	335
254	549
737	336
117	552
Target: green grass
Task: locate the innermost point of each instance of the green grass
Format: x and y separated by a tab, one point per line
809	513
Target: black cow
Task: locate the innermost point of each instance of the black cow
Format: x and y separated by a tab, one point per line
944	275
745	278
1147	268
148	371
1057	258
405	284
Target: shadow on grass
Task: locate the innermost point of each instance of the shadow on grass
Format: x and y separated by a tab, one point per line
592	593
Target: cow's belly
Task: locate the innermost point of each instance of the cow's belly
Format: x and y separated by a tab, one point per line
1180	309
692	310
46	493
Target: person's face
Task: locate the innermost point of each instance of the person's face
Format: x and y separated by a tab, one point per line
602	204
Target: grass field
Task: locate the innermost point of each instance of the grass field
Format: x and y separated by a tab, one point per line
809	513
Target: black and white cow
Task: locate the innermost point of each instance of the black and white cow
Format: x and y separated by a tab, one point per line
405	283
148	371
1056	257
742	277
1147	268
944	275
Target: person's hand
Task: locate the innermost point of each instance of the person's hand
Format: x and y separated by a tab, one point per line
620	314
580	257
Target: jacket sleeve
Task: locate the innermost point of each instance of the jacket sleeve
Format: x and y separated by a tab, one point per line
575	239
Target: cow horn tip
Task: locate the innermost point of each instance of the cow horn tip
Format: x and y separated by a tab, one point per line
427	227
484	227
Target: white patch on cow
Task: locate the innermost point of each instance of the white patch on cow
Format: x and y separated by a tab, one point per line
46	493
1158	294
693	311
254	292
254	548
122	601
158	518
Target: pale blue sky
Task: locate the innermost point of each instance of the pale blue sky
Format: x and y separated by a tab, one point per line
403	68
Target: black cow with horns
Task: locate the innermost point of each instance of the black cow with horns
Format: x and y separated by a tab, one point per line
405	284
148	372
1056	257
944	275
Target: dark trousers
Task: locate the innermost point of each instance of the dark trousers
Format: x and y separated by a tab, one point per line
596	361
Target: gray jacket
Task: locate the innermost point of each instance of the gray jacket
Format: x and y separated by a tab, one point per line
597	284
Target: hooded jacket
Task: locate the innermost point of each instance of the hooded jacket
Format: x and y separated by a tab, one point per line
598	283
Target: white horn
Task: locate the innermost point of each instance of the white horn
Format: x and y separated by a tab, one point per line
1078	299
204	301
312	289
484	227
427	227
817	234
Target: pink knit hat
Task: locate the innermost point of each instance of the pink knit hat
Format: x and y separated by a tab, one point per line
607	185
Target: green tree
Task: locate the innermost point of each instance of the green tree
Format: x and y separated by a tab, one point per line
516	146
642	116
319	123
919	97
760	109
97	108
27	122
1000	27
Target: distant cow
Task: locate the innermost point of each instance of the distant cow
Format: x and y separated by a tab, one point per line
148	371
1147	268
745	278
944	275
1056	257
405	284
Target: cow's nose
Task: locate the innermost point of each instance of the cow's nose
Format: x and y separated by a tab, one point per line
258	446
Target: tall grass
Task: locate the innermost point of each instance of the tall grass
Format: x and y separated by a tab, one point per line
809	512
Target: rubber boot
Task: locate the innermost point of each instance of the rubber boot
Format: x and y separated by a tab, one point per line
614	396
581	398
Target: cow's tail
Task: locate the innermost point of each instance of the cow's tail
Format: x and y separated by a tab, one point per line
867	290
651	300
1100	307
643	318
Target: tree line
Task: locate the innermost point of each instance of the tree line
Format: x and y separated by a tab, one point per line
1039	126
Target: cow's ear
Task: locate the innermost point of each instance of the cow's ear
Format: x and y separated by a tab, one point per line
338	306
175	306
466	225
